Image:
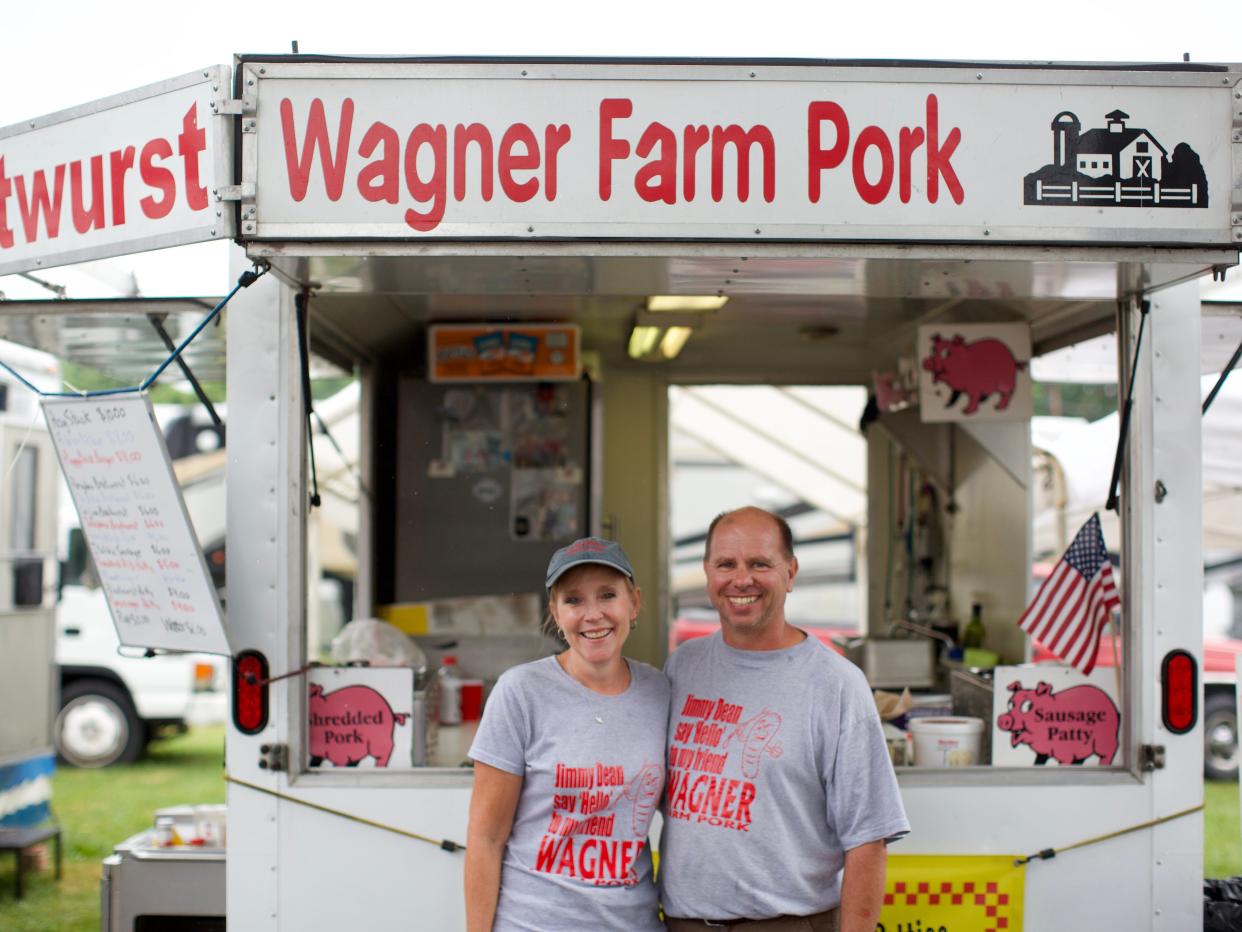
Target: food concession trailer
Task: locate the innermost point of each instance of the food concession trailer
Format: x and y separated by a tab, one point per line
419	222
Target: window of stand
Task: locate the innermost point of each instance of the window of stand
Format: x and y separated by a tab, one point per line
497	472
920	548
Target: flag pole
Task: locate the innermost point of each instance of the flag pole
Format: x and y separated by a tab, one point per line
1114	627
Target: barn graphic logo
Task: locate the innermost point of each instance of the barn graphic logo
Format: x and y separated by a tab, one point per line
1115	166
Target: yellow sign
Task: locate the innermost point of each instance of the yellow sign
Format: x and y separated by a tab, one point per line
501	353
952	893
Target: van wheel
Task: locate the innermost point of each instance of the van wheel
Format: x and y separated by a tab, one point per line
1220	736
97	725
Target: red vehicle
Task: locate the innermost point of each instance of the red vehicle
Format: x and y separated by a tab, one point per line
686	628
1220	718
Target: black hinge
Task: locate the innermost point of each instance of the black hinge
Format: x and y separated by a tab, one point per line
273	757
1151	757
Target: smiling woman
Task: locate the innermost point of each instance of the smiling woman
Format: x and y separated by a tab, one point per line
569	766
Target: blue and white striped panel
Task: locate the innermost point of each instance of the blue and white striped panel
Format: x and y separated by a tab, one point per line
26	791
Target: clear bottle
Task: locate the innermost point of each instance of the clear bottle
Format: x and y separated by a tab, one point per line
973	634
450	691
166	832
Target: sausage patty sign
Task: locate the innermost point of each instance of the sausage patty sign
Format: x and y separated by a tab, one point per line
418	151
1051	715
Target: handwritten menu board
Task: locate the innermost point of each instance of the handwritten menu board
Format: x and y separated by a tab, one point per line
135	523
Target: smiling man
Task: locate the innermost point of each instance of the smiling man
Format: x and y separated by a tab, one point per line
780	798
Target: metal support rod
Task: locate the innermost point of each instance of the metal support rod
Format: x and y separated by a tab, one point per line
1233	361
157	323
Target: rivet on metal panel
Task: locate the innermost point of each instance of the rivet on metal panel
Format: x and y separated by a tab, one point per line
1161	491
262	71
523	73
752	74
987	232
756	231
979	76
530	229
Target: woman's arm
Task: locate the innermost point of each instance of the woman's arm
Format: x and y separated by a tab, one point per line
493	804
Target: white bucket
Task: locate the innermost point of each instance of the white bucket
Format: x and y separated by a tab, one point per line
946	741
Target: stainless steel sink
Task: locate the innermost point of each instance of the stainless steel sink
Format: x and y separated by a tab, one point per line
892	663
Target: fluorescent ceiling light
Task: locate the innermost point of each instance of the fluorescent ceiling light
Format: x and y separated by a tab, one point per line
643	341
683	302
674	339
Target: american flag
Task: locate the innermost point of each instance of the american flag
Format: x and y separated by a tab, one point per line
1074	604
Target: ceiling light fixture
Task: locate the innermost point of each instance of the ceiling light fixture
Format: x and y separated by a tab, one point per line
643	340
683	303
674	339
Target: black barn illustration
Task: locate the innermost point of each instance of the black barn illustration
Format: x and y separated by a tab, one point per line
1116	165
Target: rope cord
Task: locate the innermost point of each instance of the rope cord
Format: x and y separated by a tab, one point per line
247	279
1049	853
443	844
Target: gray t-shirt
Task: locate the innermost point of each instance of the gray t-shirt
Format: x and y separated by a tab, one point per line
593	770
777	766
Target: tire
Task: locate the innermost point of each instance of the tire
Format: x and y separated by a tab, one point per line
97	725
1220	736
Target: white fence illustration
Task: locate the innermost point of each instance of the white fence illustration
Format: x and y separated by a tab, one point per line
1116	193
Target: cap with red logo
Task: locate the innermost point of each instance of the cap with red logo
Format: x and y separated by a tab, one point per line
588	550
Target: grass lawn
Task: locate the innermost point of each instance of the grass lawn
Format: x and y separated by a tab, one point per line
97	809
1222	843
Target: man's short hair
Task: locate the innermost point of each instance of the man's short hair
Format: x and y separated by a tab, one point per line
781	524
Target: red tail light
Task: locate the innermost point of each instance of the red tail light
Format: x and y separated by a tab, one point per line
250	692
1179	691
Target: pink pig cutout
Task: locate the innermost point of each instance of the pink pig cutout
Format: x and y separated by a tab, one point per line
353	742
1068	726
758	736
978	369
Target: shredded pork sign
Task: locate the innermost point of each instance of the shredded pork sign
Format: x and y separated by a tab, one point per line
635	152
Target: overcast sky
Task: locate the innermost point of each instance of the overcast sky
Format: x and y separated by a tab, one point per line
61	54
57	54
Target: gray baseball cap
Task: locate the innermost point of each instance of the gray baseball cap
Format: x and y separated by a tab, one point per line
588	550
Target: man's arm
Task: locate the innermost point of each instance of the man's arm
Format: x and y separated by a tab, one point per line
862	887
493	803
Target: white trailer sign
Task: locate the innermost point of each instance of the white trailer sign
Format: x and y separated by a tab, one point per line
422	151
138	171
